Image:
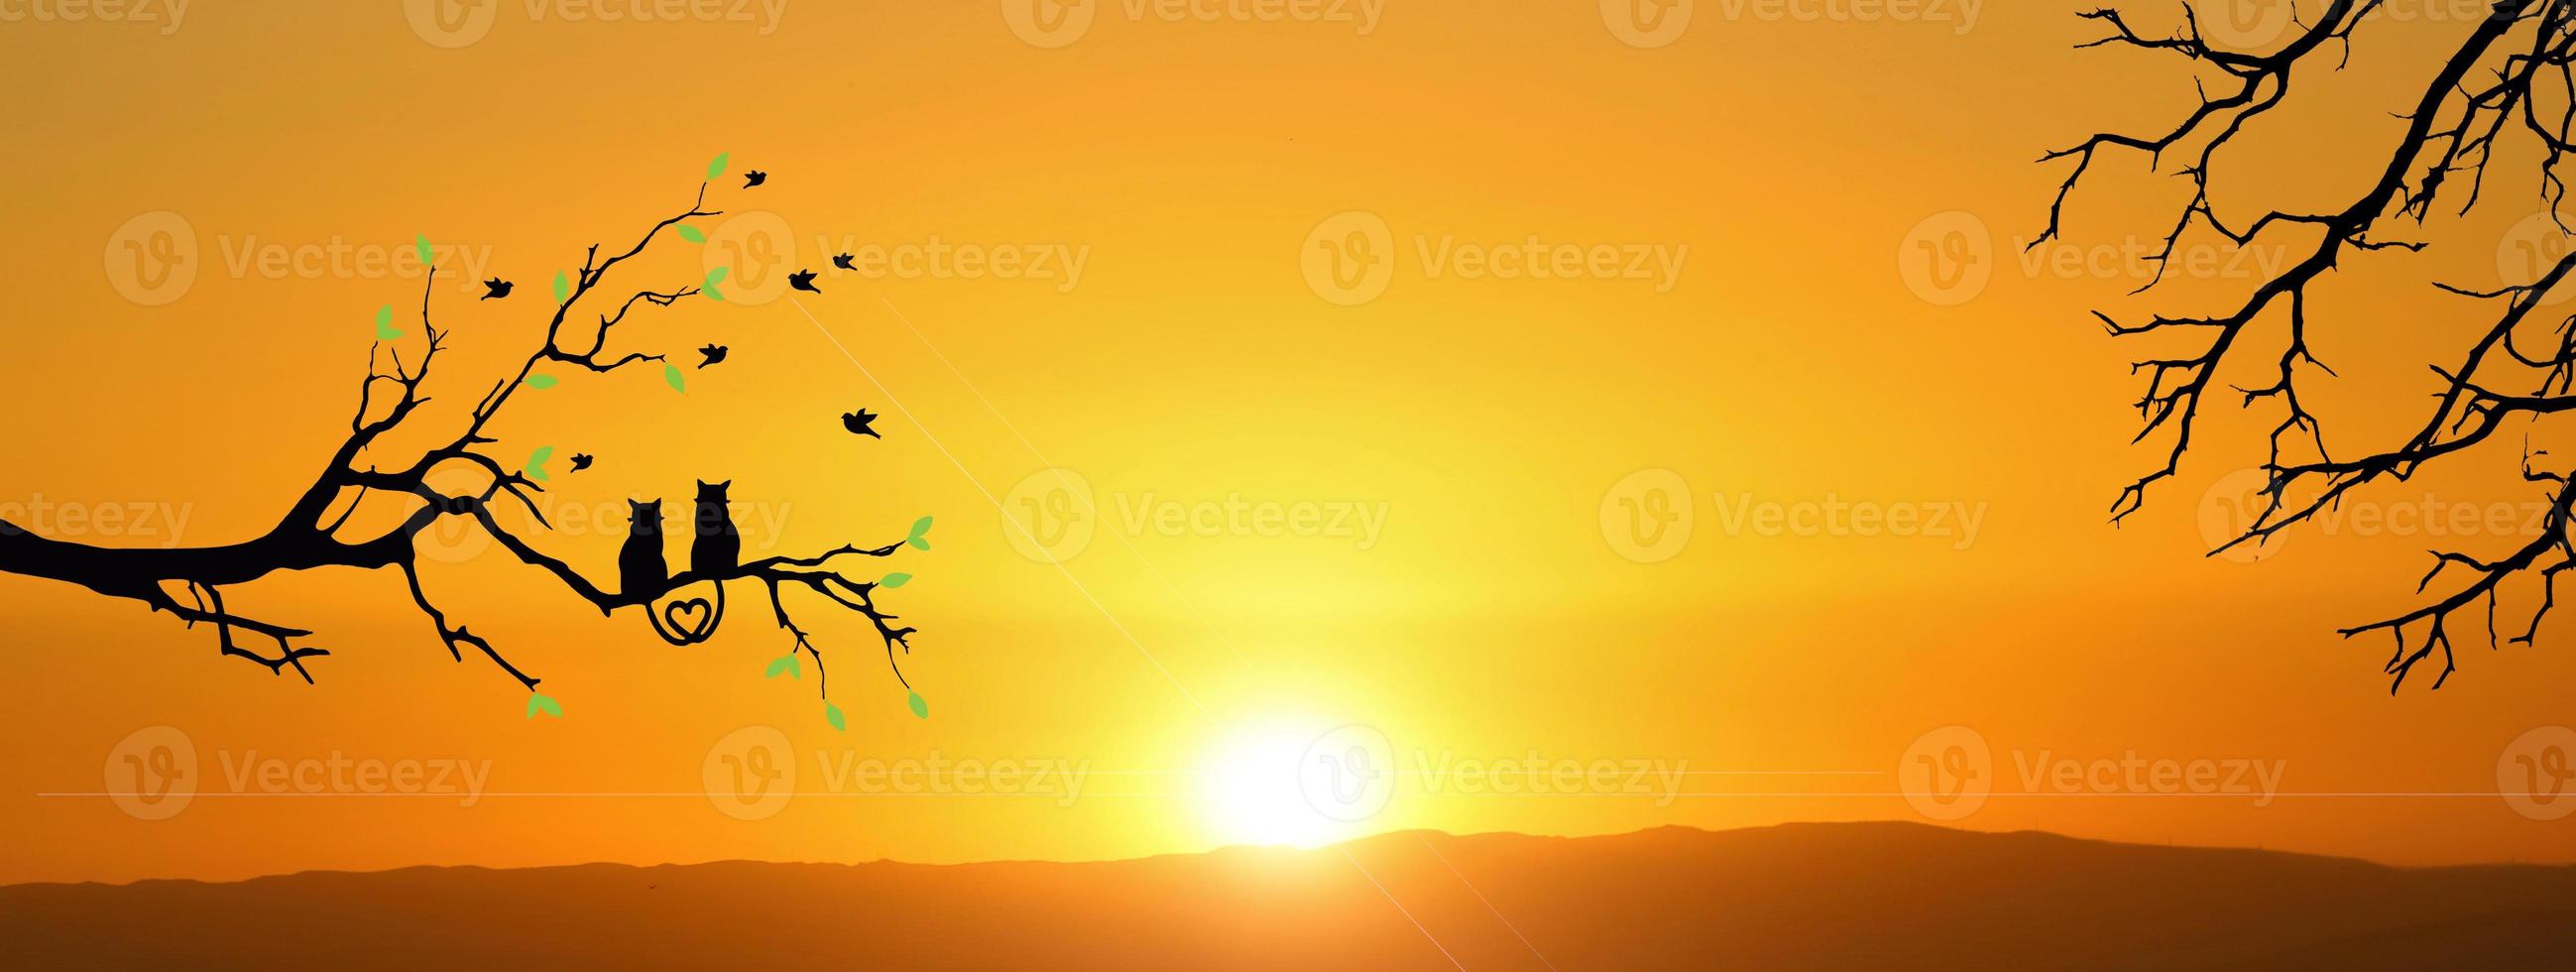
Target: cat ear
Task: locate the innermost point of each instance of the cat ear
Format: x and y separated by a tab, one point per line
727	484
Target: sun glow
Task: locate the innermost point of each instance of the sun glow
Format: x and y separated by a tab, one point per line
1254	785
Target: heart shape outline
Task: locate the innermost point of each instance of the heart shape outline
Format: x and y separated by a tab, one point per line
698	607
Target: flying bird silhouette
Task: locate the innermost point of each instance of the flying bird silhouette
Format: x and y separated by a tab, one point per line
580	461
843	262
857	423
496	287
803	280
715	354
753	178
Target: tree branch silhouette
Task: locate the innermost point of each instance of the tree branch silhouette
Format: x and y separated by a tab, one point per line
310	535
2499	81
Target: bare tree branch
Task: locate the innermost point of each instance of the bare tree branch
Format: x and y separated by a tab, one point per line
2492	84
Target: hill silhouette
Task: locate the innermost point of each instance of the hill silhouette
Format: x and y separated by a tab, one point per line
1803	895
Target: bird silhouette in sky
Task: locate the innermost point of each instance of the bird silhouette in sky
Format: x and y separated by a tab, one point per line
496	287
715	354
803	280
843	262
580	461
753	178
857	423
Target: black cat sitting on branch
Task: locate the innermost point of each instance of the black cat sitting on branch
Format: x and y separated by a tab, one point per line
190	582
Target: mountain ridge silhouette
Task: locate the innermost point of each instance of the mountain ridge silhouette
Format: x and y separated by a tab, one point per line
1837	895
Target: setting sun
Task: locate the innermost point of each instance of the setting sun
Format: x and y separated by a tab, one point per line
1261	786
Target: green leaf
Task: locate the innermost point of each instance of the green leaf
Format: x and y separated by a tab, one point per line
563	287
832	714
385	324
691	234
920	538
717	275
895	580
717	167
712	293
671	373
421	242
785	665
541	702
537	462
541	382
920	707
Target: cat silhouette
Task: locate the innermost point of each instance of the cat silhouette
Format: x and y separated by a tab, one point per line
641	571
718	548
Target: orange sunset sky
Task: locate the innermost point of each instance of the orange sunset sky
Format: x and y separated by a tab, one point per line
1810	462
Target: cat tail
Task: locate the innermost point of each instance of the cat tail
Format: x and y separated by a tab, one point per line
666	621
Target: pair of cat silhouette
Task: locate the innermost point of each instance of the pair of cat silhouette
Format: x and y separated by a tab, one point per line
716	547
